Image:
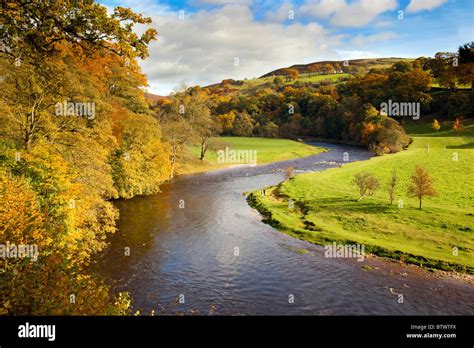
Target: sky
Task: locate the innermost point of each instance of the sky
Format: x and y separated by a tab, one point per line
201	42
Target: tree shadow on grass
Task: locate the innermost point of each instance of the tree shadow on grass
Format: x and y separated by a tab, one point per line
463	146
352	206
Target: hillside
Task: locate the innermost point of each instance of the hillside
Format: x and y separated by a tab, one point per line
153	98
366	64
305	75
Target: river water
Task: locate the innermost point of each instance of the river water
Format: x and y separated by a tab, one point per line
198	248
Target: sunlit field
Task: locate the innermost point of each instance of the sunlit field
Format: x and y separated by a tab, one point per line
327	208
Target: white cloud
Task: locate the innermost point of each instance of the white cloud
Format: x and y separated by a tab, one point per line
384	24
360	13
221	2
356	54
361	40
322	8
420	5
201	49
341	13
282	14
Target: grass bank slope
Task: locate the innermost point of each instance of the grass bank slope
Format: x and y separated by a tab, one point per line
326	207
268	150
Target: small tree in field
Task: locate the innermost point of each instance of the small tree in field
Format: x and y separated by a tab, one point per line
391	186
289	173
421	184
435	125
367	184
457	125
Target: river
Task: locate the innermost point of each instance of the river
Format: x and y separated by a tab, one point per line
198	248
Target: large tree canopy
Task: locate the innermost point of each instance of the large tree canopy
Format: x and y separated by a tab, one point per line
37	25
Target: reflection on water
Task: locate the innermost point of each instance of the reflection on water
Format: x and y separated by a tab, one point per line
217	254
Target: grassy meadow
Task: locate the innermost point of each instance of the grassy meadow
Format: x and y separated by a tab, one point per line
326	207
252	85
268	150
435	83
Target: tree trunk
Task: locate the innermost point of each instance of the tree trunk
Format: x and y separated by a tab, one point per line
203	150
27	140
173	160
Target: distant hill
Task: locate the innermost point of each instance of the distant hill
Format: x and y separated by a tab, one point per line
366	64
250	86
153	98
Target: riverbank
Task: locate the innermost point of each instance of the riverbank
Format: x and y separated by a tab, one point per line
267	150
440	236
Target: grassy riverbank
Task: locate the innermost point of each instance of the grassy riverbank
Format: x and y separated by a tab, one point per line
268	150
326	206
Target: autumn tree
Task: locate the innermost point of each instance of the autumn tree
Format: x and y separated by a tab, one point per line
435	125
33	93
270	130
41	283
367	184
421	184
204	125
388	137
291	74
177	131
313	69
31	28
57	190
436	66
327	68
402	66
392	185
448	78
457	125
278	81
289	172
243	125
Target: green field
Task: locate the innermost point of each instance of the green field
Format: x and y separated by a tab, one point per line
435	83
268	150
318	78
253	85
326	206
